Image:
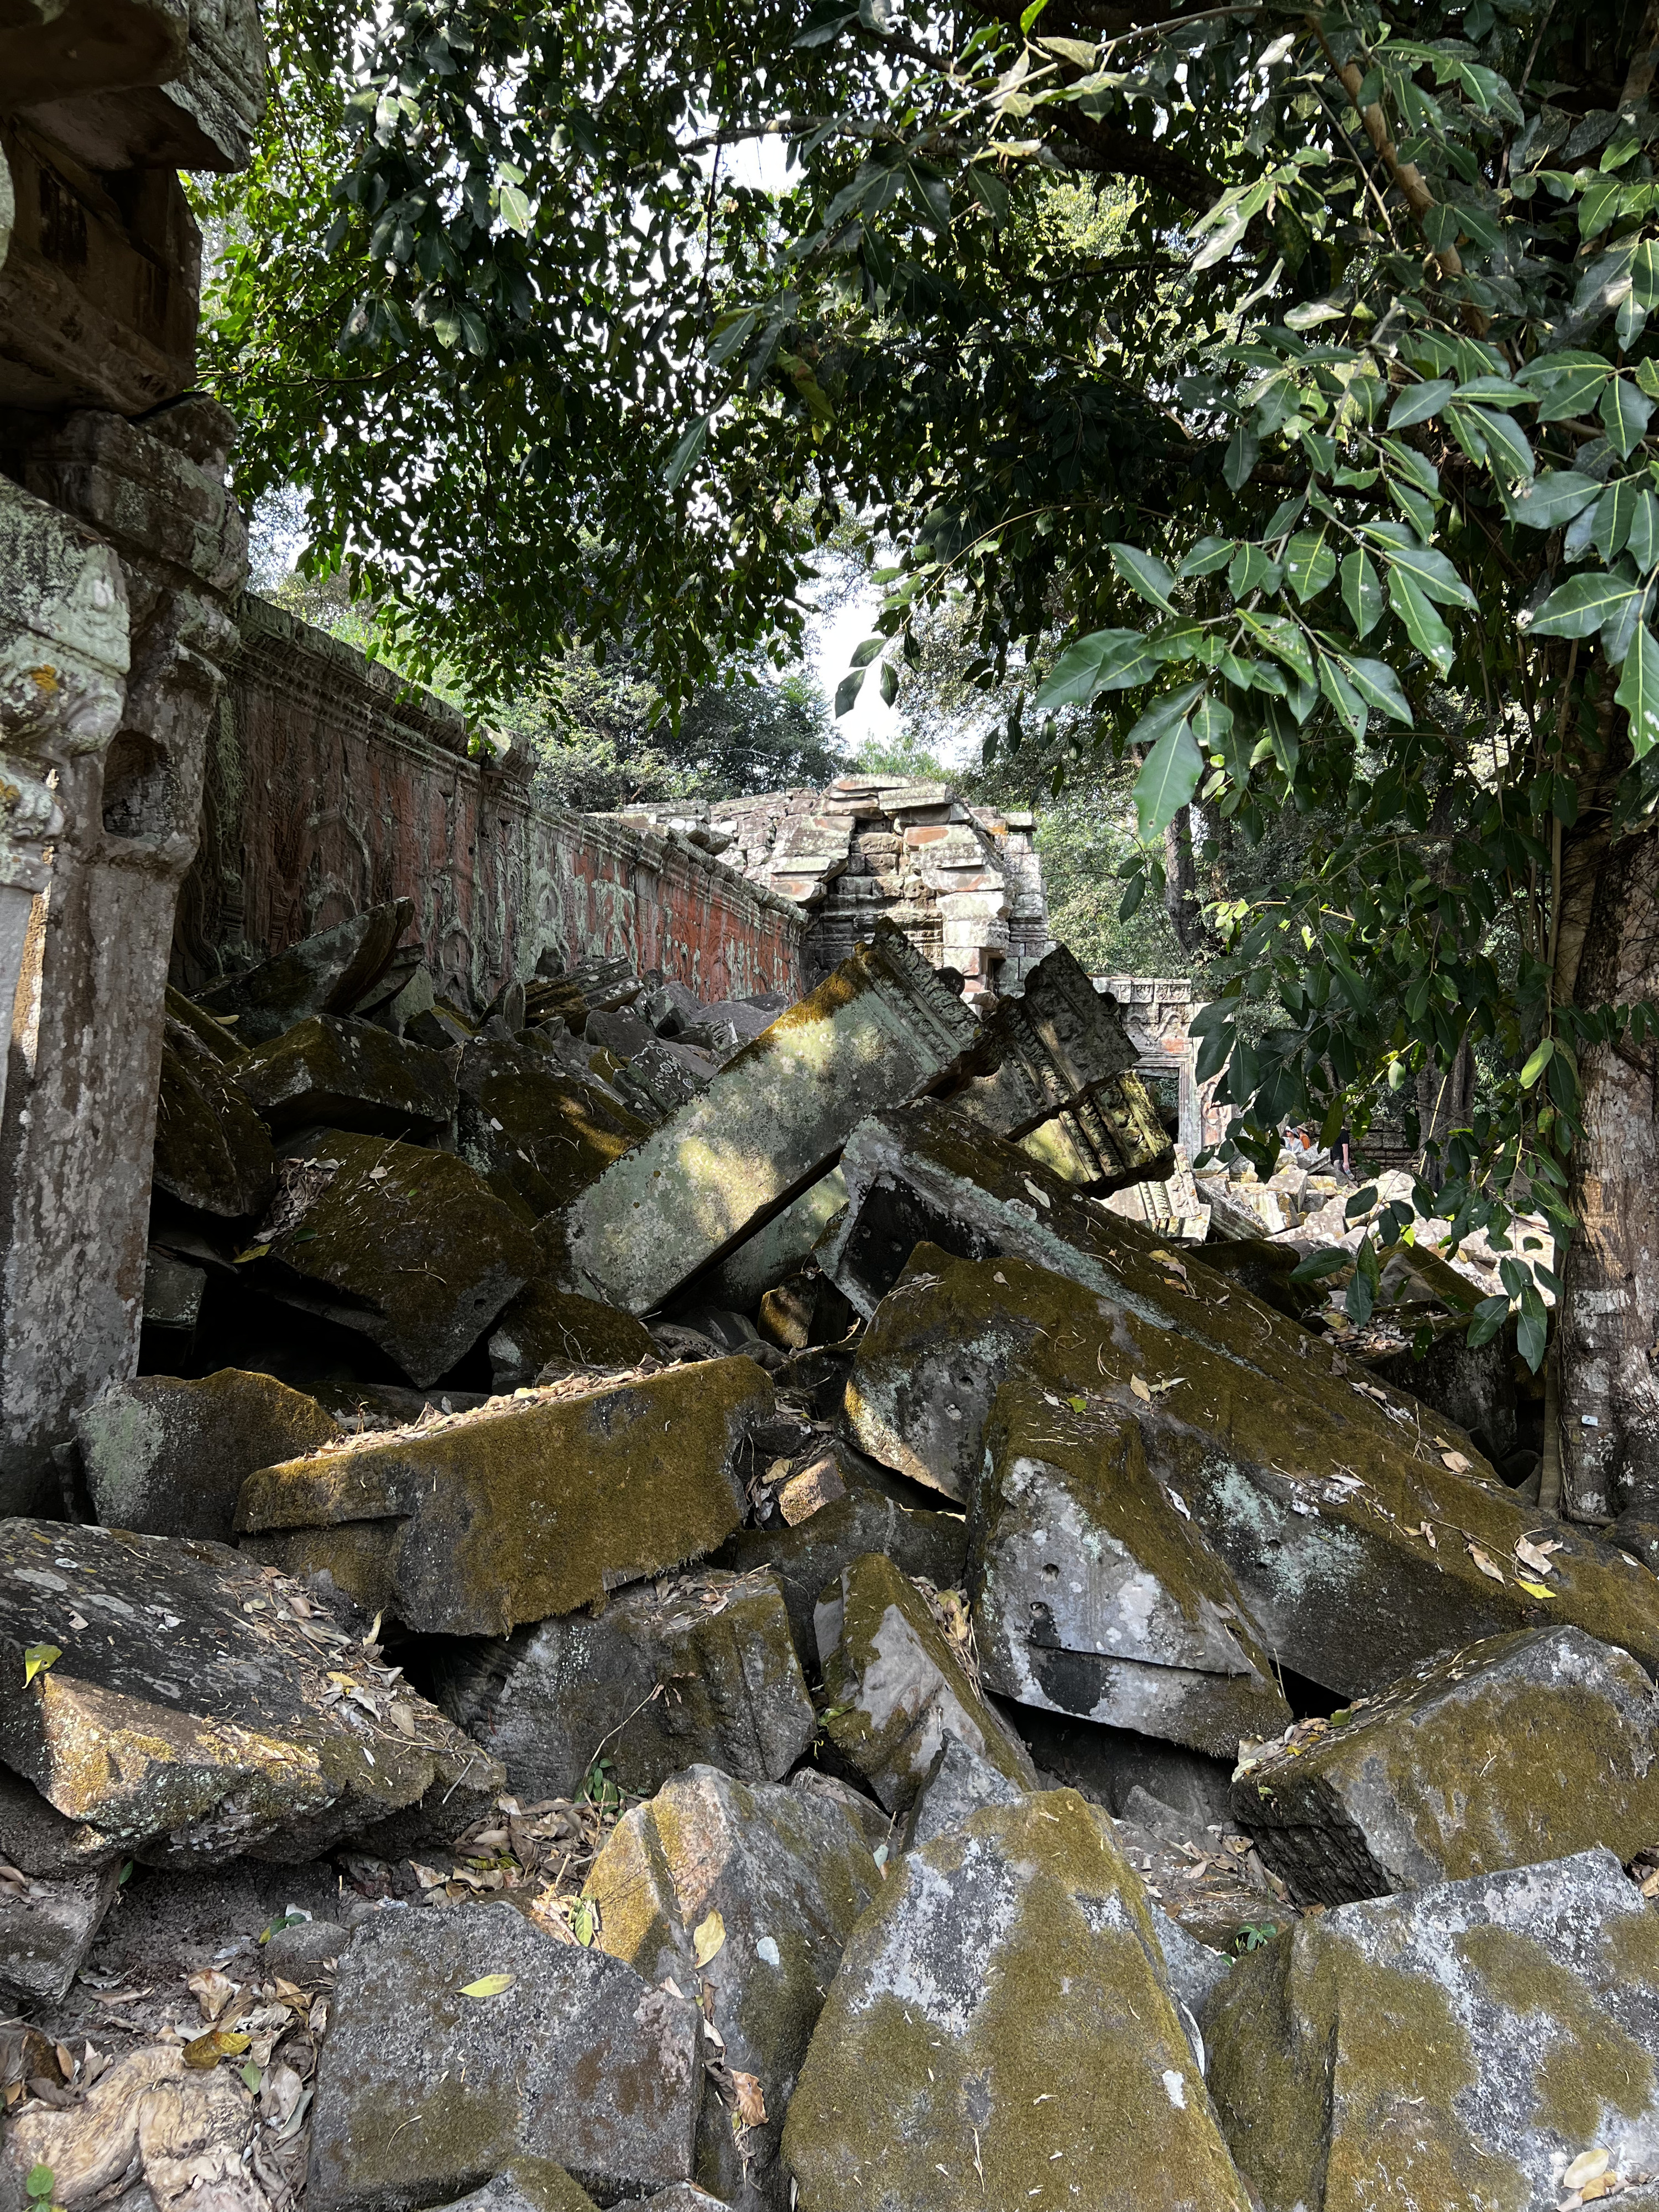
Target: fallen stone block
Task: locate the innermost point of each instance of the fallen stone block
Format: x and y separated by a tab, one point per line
882	1029
528	2185
168	1457
174	1290
348	1075
535	1132
756	1889
668	1075
1043	1048
1006	1992
1473	1387
1516	1748
700	1668
1092	1591
781	1248
1109	1140
1361	1537
1474	2042
212	1151
327	974
894	1686
527	1508
46	1928
957	1783
410	1247
190	1705
36	1838
463	2039
806	1559
546	1332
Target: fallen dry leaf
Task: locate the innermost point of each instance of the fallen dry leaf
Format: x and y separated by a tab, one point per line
751	2104
706	1938
1588	2166
1456	1461
212	1991
205	2051
1138	1384
488	1986
1532	1590
1486	1563
1530	1555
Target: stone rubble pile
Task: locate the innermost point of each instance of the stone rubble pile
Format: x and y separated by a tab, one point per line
695	1611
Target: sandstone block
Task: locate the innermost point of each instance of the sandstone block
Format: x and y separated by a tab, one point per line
527	2184
957	1783
422	2090
537	1134
523	1509
324	974
46	1928
350	1075
1044	1049
548	1332
212	1151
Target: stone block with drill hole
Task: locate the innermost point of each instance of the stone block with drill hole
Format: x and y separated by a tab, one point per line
348	1075
881	1030
698	1667
410	1247
525	1508
782	1876
168	1457
460	2040
190	1705
1514	1749
894	1686
1007	1993
1093	1591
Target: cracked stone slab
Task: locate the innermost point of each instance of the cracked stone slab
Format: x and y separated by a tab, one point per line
350	1075
46	1928
202	1706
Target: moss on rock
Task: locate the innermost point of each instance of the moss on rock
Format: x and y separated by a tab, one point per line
545	1327
351	1075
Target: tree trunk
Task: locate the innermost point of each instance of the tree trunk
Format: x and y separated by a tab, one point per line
1609	1319
1445	1099
1180	885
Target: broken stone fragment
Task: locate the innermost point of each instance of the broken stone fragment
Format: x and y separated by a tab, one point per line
1516	1748
1043	1048
411	1249
46	1928
168	1457
546	1332
212	1151
882	1029
894	1686
172	1294
327	974
190	1705
1006	1992
460	2040
528	2185
1470	2041
959	1781
806	1558
535	1132
1358	1551
700	1667
349	1075
527	1508
35	1836
1094	1594
755	1889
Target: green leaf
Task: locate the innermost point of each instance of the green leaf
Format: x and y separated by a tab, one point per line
1243	450
1318	1265
1430	572
1280	636
846	691
1643	544
1554	498
1418	401
1614	512
1207	555
1105	660
37	1658
1362	594
515	209
1598	205
1540	1058
1638	692
1309	564
1168	778
1645	273
1379	687
865	652
1423	625
686	452
39	2182
1145	572
1580	606
1253	569
1506	442
1625	413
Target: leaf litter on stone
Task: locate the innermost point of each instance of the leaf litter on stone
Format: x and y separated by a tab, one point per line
1486	1563
488	1986
706	1938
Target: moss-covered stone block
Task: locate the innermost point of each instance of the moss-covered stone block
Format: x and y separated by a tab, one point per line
428	2085
198	1705
350	1075
788	1873
326	973
698	1667
1001	2033
1094	1594
168	1457
545	1328
526	2184
894	1687
410	1247
1518	1748
1358	1549
1460	2046
525	1508
212	1151
536	1133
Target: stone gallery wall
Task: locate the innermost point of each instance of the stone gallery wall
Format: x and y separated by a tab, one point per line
333	786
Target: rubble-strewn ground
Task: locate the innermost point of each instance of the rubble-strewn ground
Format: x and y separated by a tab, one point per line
774	1606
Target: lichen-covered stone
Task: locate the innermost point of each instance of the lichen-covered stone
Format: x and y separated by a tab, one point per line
894	1687
168	1457
788	1874
1093	1593
323	974
212	1151
698	1667
198	1705
536	1133
1001	2033
1358	1551
46	1928
1518	1748
410	1247
528	1507
423	2091
1460	2046
545	1328
880	1030
804	1559
527	2184
350	1075
957	1783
